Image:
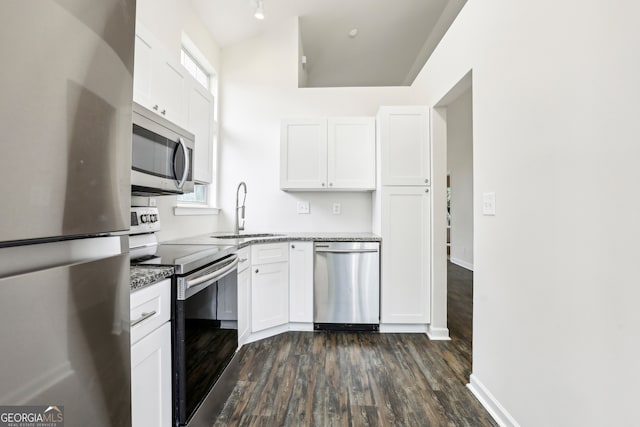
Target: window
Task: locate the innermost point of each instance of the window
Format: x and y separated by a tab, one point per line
194	68
198	66
197	197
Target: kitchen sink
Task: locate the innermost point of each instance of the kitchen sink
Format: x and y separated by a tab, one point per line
245	236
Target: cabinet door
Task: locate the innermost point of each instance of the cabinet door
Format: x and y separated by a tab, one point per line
244	305
303	154
301	282
151	379
200	123
269	295
144	66
169	89
406	255
351	149
404	141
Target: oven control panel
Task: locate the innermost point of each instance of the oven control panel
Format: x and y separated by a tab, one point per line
144	220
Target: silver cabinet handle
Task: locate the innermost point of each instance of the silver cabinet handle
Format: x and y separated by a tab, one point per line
323	184
331	184
163	112
293	246
243	260
426	191
426	181
143	317
257	271
186	163
155	107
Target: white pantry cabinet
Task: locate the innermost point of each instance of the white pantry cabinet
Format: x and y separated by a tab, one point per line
244	295
403	135
269	285
158	81
406	255
151	356
336	154
301	282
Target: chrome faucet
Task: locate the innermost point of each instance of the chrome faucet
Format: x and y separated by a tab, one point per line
239	227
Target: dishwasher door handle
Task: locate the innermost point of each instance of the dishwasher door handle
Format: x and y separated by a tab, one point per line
347	251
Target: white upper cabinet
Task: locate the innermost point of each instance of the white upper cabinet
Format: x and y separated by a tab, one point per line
328	154
200	122
404	139
351	153
303	154
158	81
164	86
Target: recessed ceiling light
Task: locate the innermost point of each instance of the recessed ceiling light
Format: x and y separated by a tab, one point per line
259	14
353	33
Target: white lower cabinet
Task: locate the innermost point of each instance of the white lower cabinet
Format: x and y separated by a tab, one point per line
269	286
244	295
151	356
406	255
301	282
151	379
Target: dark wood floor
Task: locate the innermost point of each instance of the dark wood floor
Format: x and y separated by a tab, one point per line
344	379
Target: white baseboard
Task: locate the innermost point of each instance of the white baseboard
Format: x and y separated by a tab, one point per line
276	330
493	407
301	326
461	263
438	334
403	328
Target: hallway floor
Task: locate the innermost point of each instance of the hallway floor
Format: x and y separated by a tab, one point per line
353	379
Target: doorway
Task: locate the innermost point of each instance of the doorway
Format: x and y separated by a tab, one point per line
452	137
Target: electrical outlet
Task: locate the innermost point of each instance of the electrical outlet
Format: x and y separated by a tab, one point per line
489	204
303	207
336	208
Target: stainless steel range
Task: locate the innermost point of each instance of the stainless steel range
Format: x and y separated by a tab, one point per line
204	340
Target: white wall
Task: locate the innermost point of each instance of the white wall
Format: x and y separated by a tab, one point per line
555	135
167	19
260	87
460	167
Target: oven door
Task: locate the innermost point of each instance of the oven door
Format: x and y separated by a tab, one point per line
206	338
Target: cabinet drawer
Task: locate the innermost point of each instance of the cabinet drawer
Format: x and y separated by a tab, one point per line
244	259
269	252
150	308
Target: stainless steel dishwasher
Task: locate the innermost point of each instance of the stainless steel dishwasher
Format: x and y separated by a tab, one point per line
346	286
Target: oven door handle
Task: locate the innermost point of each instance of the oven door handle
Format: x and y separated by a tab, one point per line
216	275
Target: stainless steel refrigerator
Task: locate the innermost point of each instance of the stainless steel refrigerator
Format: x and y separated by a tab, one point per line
65	156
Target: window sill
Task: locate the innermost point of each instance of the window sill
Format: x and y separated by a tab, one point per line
195	210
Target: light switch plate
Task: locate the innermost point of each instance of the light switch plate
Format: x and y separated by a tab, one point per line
303	207
488	203
337	208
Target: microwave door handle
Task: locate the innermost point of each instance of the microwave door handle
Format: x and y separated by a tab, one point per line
185	173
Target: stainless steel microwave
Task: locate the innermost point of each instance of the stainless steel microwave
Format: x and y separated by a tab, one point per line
162	155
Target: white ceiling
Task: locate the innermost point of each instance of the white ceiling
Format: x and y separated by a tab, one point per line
395	37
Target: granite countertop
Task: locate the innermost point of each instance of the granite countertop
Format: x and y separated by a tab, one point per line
144	275
286	237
